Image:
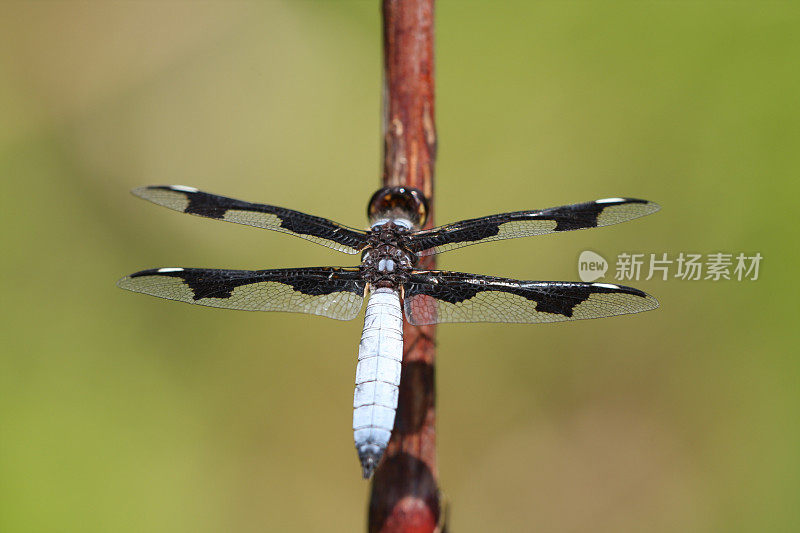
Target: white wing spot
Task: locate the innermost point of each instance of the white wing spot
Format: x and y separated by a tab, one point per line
170	269
605	285
183	188
609	200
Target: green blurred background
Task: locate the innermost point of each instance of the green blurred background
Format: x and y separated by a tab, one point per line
120	412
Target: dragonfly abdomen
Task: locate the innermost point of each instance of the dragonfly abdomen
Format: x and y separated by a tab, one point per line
377	376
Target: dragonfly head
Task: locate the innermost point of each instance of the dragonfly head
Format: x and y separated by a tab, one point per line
391	203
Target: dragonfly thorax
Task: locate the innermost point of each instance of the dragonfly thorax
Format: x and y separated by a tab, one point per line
387	261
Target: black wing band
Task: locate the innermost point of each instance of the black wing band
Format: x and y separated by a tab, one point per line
527	223
326	291
316	229
432	297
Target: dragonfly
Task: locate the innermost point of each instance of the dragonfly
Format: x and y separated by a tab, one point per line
389	279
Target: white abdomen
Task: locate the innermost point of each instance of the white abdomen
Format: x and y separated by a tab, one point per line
377	376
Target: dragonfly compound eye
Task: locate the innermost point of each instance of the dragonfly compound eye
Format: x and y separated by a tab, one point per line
398	202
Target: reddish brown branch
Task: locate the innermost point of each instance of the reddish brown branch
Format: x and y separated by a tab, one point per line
405	492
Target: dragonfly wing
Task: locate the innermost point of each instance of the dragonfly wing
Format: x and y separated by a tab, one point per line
327	291
432	297
528	223
316	229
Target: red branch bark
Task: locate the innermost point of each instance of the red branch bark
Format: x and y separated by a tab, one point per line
405	492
